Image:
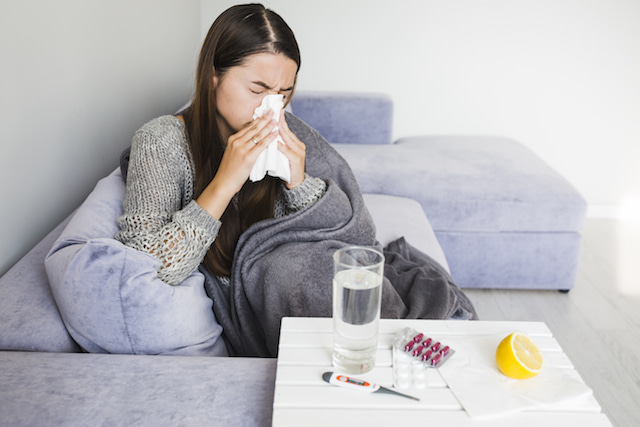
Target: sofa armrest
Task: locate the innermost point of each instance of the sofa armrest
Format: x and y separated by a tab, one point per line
346	118
29	316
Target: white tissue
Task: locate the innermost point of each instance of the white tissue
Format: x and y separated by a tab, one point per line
271	160
485	393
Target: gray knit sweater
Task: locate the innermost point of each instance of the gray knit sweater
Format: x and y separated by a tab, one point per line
160	216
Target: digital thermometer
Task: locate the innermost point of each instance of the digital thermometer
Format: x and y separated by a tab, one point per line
342	380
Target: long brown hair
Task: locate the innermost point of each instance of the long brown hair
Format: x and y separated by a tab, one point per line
239	32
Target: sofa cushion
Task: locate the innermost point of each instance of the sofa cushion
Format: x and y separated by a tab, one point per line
473	184
109	295
346	118
40	389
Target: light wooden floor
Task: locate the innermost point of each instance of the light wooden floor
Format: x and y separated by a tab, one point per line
598	322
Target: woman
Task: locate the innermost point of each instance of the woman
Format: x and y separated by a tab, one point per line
267	246
207	153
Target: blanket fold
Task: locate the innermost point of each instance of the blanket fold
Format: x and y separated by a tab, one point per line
284	267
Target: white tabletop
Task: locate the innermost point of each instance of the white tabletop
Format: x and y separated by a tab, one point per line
303	398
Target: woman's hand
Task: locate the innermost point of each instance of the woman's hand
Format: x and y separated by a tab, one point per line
240	154
294	150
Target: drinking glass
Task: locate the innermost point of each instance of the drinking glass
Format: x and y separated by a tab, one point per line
357	291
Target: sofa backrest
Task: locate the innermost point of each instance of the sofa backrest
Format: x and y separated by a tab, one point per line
347	118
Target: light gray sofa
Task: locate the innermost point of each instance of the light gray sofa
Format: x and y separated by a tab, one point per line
47	379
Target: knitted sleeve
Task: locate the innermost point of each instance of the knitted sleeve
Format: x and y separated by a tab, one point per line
159	216
290	201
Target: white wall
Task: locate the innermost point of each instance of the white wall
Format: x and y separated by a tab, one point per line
560	76
77	79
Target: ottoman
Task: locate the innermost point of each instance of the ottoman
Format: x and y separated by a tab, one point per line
504	218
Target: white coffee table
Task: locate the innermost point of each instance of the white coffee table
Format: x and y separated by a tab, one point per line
303	398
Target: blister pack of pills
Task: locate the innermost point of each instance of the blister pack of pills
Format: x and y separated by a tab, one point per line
413	354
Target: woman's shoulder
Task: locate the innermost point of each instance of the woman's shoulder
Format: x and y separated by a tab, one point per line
163	126
167	132
160	148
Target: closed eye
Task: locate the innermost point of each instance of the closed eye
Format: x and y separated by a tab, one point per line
267	87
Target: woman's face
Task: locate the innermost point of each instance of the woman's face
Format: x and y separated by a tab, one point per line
241	89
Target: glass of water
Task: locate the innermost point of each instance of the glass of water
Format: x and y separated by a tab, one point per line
357	291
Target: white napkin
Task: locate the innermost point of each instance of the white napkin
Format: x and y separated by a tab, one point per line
271	160
484	392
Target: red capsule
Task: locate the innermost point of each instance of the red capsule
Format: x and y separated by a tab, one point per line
418	337
409	345
436	359
417	351
445	350
435	347
426	342
427	355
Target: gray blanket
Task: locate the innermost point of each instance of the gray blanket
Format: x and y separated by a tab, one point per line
283	267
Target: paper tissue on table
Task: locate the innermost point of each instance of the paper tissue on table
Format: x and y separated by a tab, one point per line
271	160
484	392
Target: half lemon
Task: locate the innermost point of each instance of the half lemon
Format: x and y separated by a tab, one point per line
518	357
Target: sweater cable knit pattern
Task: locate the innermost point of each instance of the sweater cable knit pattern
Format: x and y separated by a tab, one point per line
160	216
